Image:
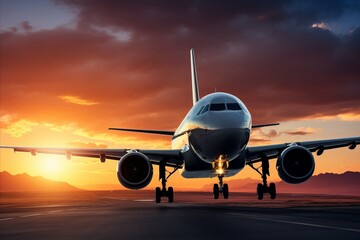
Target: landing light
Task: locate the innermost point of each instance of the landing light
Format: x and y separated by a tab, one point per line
220	165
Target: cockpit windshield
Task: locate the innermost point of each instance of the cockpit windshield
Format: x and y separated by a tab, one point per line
217	107
233	106
206	108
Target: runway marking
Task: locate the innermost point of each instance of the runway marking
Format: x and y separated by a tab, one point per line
31	215
4	219
295	223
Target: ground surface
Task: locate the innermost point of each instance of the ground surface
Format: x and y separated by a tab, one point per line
134	215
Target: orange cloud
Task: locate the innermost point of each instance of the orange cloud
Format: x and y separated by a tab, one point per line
78	100
350	116
82	144
19	128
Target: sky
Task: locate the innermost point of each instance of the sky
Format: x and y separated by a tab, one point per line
72	68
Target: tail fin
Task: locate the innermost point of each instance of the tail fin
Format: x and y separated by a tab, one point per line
194	79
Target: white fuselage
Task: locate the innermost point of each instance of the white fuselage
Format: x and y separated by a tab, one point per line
218	124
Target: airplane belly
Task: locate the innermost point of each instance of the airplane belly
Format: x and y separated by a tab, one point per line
206	173
194	167
210	144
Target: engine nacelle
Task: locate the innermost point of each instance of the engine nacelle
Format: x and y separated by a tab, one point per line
134	170
295	164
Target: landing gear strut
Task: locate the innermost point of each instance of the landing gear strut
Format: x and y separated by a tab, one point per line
264	187
221	188
163	192
220	165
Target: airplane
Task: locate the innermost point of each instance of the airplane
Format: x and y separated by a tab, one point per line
211	141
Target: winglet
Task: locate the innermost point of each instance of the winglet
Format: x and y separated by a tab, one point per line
194	79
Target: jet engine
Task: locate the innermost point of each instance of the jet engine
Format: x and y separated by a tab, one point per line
295	164
134	170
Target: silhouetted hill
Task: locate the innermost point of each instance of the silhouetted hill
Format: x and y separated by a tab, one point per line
347	183
24	182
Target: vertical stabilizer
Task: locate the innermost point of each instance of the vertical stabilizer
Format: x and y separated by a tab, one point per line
194	79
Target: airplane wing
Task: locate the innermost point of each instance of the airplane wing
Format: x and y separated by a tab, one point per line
254	154
173	157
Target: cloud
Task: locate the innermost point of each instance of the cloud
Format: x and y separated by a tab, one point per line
266	53
349	117
259	141
301	131
25	25
321	25
6	119
82	144
77	100
19	128
260	136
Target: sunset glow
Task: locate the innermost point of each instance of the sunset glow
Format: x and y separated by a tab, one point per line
66	79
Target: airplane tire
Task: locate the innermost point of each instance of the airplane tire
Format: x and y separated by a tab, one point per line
171	194
226	191
157	195
216	191
272	190
260	191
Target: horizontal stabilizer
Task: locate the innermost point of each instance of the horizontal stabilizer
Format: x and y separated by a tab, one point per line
161	132
265	125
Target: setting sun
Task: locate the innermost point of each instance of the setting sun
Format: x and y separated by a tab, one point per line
53	166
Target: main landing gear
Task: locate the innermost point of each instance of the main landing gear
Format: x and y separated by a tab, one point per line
220	165
163	192
264	187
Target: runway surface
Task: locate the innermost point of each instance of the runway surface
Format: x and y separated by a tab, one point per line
134	215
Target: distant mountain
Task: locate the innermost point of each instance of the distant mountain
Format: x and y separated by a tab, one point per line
347	183
24	182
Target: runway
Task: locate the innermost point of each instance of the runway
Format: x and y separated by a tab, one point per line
134	215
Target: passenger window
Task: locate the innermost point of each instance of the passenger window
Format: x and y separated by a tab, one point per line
217	107
206	108
233	106
200	110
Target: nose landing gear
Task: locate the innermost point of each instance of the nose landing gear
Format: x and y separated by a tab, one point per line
220	165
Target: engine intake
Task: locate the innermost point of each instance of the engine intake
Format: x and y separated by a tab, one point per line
295	164
134	170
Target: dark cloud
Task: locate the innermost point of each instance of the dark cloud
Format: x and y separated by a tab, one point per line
268	134
299	132
264	52
26	26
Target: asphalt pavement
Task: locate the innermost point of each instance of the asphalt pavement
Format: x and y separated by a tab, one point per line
117	215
